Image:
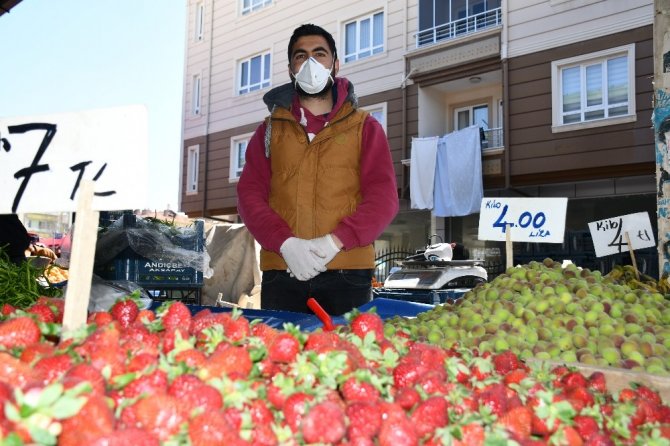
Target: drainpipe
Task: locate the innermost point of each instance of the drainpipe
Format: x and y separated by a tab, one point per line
405	150
505	79
209	95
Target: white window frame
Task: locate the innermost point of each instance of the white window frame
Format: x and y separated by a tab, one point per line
471	111
356	56
196	94
199	22
192	169
265	83
383	108
253	6
557	66
235	169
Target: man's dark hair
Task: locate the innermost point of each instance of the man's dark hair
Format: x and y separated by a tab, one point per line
309	29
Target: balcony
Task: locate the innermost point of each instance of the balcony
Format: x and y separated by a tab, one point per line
493	139
461	27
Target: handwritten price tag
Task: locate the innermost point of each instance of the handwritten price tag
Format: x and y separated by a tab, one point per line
609	235
539	220
44	159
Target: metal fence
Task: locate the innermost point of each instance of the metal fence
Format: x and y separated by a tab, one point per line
461	27
388	258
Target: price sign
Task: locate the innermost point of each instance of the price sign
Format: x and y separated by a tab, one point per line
44	159
609	235
539	220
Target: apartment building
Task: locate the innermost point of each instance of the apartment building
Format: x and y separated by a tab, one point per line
562	90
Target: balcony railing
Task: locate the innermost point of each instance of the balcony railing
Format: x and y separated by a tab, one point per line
467	25
493	139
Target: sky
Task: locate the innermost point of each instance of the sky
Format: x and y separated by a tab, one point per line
67	56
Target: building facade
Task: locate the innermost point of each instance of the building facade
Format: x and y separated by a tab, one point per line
562	90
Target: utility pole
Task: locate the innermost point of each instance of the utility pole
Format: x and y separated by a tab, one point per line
661	122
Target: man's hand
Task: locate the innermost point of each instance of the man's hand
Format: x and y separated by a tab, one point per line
325	248
302	263
42	251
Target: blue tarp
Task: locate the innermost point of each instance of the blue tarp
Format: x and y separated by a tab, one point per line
386	308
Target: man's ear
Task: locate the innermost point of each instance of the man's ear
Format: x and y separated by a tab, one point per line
336	66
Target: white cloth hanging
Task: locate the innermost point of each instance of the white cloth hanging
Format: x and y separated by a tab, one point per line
458	176
422	172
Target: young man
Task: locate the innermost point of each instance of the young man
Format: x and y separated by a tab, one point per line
318	186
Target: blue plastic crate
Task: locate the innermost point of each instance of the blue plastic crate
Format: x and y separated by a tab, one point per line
430	297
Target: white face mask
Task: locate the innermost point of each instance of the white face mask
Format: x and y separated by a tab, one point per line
312	76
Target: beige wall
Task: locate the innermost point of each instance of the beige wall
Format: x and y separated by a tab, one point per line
537	25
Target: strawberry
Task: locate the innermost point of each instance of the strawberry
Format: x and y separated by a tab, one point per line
85	372
354	389
579	397
263	331
236	327
43	312
284	348
34	352
573	379
585	425
125	310
515	377
324	423
230	360
19	332
7	309
647	393
130	436
53	367
627	394
193	358
434	382
518	421
95	419
471	434
407	373
99	318
15	372
152	384
294	409
322	341
494	396
365	419
599	439
364	323
211	429
567	436
429	415
407	397
175	314
596	382
146	316
161	415
397	432
140	361
505	362
195	394
263	435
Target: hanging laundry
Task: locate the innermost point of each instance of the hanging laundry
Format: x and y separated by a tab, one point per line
458	176
422	172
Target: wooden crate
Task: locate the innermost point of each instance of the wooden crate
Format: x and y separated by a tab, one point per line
617	378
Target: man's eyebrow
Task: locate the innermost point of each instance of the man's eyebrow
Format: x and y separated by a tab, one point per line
317	49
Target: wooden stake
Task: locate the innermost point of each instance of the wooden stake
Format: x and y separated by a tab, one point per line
508	246
81	261
632	256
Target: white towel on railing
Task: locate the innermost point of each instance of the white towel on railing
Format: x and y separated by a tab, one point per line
458	177
422	172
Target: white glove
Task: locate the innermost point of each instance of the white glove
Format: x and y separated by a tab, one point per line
302	263
325	248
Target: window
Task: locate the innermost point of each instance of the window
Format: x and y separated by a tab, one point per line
254	73
446	19
195	99
472	115
377	111
254	5
199	21
364	37
238	151
193	166
595	89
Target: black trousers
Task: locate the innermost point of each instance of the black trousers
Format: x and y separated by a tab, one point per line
337	291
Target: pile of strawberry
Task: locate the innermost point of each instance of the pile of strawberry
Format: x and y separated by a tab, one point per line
134	377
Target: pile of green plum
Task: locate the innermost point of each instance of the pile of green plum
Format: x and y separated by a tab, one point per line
546	310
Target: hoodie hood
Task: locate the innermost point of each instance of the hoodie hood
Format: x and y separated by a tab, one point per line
282	96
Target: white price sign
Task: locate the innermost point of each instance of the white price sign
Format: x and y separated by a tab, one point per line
609	235
539	220
45	158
